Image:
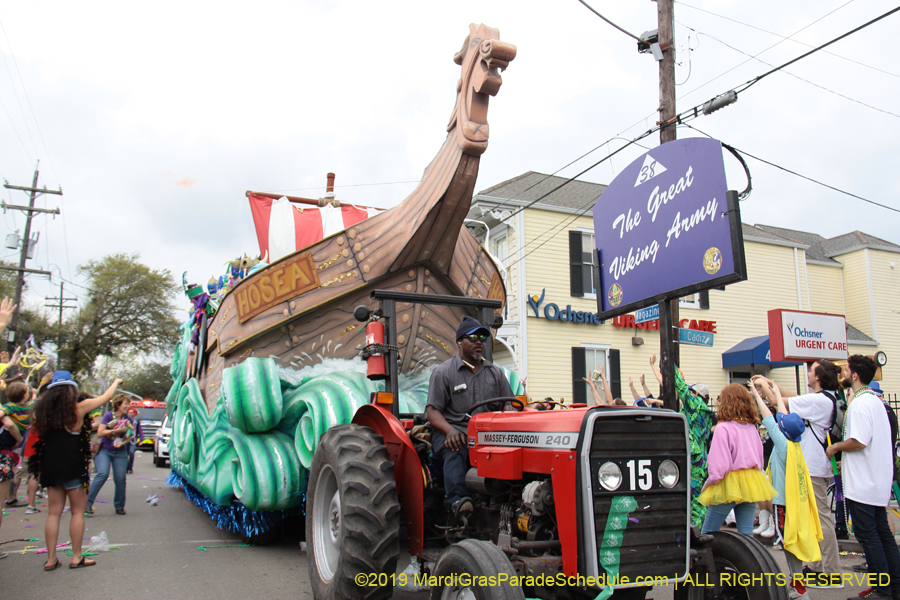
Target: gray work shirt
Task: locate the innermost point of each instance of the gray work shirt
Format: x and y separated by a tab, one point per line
454	388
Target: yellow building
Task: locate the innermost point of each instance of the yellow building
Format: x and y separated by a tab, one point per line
540	228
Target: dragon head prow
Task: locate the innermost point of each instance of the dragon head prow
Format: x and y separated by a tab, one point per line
482	57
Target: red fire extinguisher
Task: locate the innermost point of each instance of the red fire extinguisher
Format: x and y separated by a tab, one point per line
374	351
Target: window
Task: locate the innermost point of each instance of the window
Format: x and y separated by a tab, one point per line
499	249
698	300
582	263
587	358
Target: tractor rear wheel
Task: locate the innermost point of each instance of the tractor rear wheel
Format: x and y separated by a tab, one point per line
352	516
474	559
737	556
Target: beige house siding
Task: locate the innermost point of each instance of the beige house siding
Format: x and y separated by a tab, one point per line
886	291
549	343
856	290
825	289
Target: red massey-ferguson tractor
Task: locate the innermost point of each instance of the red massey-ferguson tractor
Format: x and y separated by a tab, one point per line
566	502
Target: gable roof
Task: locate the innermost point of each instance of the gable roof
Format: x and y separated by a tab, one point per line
755	233
854	335
856	240
815	251
548	190
822	249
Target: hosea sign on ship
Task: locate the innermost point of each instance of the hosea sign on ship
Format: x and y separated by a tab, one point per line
282	281
665	227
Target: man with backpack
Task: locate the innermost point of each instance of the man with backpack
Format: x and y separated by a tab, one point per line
818	410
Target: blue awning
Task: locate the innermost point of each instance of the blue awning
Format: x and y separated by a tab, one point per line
752	351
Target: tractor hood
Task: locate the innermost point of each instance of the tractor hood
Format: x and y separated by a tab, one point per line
557	429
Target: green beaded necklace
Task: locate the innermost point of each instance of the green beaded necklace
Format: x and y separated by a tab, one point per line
858	392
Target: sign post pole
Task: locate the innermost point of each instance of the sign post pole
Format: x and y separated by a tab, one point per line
667	340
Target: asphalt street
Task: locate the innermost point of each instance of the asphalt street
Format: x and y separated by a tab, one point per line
155	554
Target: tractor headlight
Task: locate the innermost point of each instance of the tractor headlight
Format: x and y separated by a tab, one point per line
610	476
667	474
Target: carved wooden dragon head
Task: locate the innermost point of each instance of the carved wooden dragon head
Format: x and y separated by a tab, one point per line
482	57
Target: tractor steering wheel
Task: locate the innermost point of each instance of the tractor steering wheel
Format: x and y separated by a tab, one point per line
512	399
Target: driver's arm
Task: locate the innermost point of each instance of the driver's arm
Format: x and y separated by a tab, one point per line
438	400
455	439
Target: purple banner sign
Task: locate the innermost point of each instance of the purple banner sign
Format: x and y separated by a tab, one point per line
665	228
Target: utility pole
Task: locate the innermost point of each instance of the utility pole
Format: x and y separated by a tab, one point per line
26	243
669	355
62	305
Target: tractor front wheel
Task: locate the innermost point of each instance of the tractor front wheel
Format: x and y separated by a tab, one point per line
352	516
738	558
470	560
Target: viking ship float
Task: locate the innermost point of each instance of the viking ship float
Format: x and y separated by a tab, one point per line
256	383
299	309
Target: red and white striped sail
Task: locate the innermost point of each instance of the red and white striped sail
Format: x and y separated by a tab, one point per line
283	227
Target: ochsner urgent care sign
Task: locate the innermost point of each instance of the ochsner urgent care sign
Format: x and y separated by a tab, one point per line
665	228
798	335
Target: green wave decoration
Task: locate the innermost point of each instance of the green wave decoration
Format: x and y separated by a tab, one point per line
179	360
515	382
323	402
267	475
253	395
216	471
189	428
259	440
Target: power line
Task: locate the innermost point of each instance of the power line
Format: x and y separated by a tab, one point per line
546	177
693	113
816	181
862	64
757	79
680	116
696	111
28	100
812	83
574	177
16	92
631	35
770	47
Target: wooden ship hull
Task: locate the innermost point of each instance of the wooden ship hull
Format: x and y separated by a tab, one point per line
299	309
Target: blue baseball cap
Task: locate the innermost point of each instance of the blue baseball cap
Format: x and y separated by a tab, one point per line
791	425
470	325
61	378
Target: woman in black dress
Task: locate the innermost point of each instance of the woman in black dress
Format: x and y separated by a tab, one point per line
61	459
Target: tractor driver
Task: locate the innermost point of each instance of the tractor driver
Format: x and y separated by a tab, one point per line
456	385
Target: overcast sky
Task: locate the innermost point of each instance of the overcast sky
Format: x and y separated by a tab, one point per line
156	118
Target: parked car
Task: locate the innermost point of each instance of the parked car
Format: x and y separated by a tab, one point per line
150	417
161	443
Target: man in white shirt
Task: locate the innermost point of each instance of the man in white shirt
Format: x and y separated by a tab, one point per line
867	472
817	411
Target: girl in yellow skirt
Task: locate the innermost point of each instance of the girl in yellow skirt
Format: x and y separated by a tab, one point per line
736	478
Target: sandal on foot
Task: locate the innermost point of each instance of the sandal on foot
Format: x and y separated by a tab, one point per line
84	563
54	567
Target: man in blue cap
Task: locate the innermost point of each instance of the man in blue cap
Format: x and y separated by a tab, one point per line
456	386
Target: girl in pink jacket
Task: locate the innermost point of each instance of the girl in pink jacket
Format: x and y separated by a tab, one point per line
736	478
